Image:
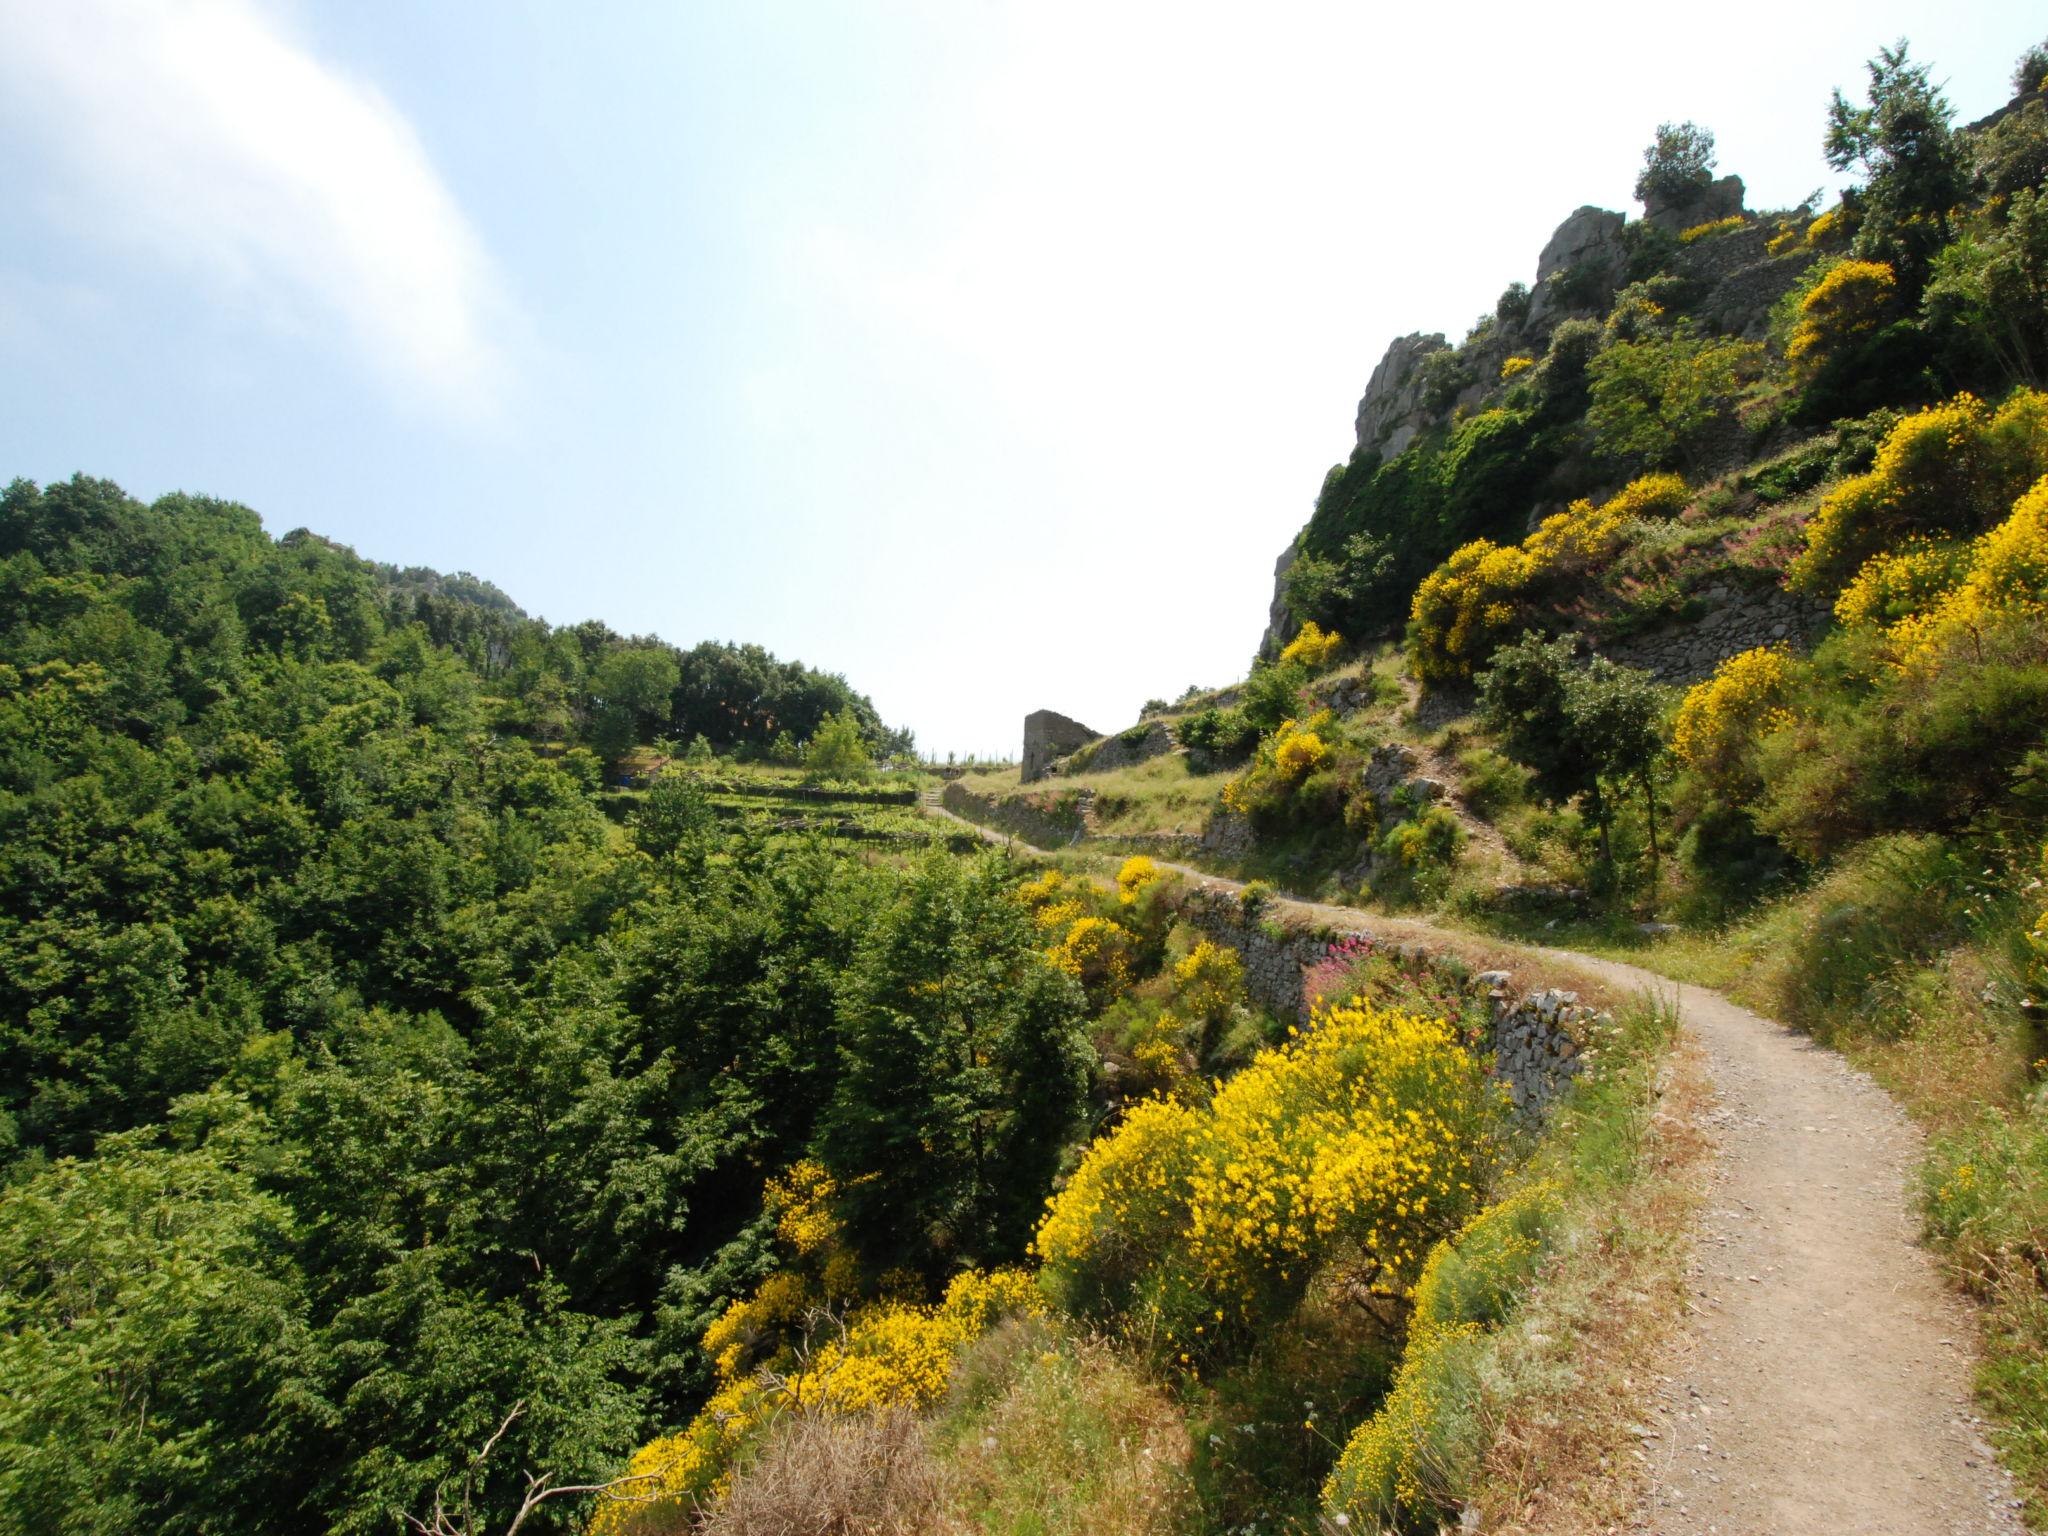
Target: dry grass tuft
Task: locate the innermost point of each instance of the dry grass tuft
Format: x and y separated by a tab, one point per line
824	1474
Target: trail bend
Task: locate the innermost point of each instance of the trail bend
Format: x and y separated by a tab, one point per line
1820	1382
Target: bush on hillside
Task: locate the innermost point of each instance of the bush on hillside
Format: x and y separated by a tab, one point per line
1472	603
1225	734
1191	1229
1948	471
1660	399
1844	305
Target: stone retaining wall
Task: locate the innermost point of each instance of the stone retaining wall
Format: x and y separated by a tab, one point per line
1686	653
1538	1039
1045	819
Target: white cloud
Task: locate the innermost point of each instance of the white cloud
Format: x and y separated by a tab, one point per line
198	133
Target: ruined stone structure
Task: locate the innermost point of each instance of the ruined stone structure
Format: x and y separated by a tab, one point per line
1049	736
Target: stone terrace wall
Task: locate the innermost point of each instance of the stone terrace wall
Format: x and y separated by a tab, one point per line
1538	1039
1049	818
1686	653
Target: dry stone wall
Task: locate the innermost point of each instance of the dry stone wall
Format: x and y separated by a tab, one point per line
1686	653
1538	1039
1046	819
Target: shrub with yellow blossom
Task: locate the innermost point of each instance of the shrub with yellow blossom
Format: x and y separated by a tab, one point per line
1848	302
1364	1136
1514	367
1484	594
1297	749
1208	982
1138	872
1950	471
1897	584
1096	952
1828	229
890	1354
801	1202
1720	720
1714	227
2005	581
1313	648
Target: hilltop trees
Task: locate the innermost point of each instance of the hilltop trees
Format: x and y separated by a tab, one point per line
1678	163
1913	166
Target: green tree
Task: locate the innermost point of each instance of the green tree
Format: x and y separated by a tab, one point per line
1913	165
1616	720
1660	399
838	751
962	1070
1573	724
1678	163
1992	287
158	1371
630	690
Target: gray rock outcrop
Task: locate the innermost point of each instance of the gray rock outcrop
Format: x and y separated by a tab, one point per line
1390	412
1049	736
1580	266
1717	200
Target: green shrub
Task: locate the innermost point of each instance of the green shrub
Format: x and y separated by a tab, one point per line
1425	843
1490	782
1225	734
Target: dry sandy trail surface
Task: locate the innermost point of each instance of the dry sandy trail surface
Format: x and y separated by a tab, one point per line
1820	1383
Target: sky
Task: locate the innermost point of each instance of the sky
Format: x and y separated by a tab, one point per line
987	354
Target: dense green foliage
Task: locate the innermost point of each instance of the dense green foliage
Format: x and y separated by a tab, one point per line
361	1077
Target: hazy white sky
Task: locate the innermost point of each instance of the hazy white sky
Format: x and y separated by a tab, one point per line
987	354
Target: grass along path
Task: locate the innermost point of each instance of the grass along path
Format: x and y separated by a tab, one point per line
1821	1383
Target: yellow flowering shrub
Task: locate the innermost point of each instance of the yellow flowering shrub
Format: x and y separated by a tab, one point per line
2006	579
1949	471
1283	760
1097	953
1826	229
1515	367
1209	982
1707	231
1484	594
1648	496
1044	889
1117	1223
801	1202
1847	303
1138	872
1299	754
1313	648
1789	237
1363	1136
1899	583
890	1354
1467	607
1161	1064
1720	720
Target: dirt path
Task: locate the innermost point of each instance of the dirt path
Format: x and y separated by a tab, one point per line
1821	1383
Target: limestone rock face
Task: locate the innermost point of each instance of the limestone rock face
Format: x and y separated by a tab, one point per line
1278	621
1049	736
1589	241
1390	413
1717	200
